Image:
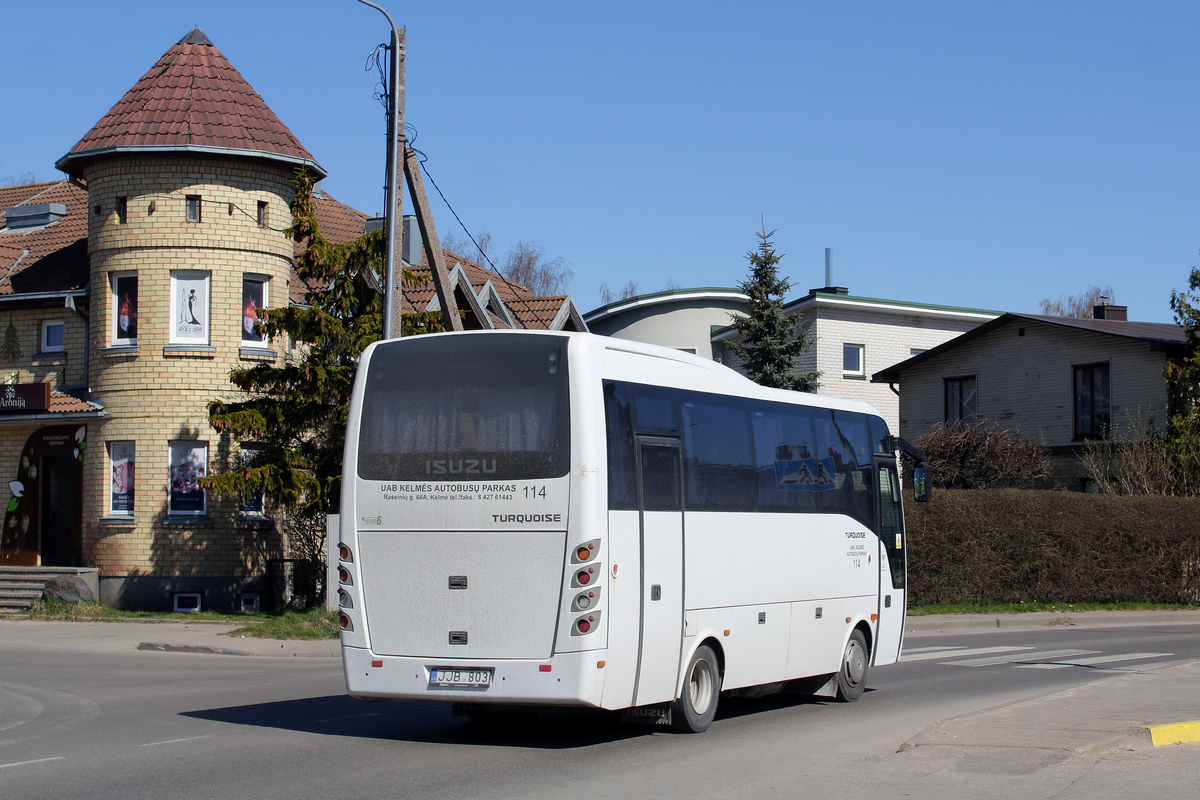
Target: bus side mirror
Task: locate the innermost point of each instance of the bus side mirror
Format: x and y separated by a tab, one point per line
921	489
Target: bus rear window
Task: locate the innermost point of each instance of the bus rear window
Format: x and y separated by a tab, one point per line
456	408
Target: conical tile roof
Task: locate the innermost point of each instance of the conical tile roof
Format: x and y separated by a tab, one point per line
191	101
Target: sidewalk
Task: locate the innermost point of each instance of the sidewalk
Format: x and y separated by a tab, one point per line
1047	619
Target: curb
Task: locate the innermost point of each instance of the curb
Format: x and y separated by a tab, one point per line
1174	733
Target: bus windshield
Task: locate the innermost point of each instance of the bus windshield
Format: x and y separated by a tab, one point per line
480	407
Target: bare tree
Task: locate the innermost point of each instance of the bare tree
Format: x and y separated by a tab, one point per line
24	179
982	455
627	291
480	250
1079	305
527	265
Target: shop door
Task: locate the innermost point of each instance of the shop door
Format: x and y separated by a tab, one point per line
57	511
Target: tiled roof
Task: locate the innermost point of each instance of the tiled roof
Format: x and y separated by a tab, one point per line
339	224
61	403
192	100
47	259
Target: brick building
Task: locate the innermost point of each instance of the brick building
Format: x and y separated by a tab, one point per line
127	294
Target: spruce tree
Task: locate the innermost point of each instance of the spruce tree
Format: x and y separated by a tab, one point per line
771	339
295	414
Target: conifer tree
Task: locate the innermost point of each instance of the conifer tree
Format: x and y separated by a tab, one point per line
295	414
772	340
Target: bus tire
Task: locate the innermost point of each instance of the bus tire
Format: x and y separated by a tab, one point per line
852	678
693	712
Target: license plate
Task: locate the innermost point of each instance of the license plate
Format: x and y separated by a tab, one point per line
445	676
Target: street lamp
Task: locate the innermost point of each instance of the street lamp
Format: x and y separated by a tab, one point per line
395	118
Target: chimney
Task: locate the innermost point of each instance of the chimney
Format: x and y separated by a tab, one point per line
1105	311
411	249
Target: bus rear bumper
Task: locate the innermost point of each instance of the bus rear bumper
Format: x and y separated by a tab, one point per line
566	679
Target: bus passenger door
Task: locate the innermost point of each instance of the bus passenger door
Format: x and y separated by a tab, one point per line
892	578
660	483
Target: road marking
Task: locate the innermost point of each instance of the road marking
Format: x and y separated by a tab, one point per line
1084	662
954	653
1018	658
173	741
909	650
34	761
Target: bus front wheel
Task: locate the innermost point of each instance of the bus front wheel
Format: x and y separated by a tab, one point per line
694	711
852	679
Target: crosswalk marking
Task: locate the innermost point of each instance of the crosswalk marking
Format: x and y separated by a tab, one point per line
1083	662
931	653
1010	659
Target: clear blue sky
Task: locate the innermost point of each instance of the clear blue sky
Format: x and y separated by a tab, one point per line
962	153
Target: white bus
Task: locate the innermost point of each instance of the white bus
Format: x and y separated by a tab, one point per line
534	519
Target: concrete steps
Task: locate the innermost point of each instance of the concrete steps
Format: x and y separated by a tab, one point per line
20	587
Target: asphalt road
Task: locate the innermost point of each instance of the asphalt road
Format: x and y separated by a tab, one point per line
92	716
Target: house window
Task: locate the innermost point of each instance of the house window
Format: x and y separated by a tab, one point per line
189	307
852	360
254	297
121	459
189	463
52	336
262	214
1093	405
961	400
254	503
916	351
122	210
124	307
193	208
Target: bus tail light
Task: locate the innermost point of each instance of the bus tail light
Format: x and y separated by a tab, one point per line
585	625
344	576
344	553
345	622
583	554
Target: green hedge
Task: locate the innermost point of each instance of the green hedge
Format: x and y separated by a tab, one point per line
1009	545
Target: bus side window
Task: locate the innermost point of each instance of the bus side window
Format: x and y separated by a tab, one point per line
622	475
718	453
654	410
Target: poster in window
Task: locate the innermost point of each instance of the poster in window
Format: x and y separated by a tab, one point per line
122	456
253	298
191	308
189	463
126	289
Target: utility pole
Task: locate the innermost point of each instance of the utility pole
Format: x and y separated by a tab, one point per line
393	196
392	299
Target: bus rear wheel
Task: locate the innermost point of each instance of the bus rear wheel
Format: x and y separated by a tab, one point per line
852	679
694	711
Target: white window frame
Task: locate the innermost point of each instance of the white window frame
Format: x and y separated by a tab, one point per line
265	282
182	330
122	458
178	456
117	338
862	360
47	324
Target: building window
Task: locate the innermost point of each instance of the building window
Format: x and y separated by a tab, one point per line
961	400
262	214
189	463
1093	405
254	503
189	307
121	458
254	297
122	210
124	307
852	360
193	208
53	336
